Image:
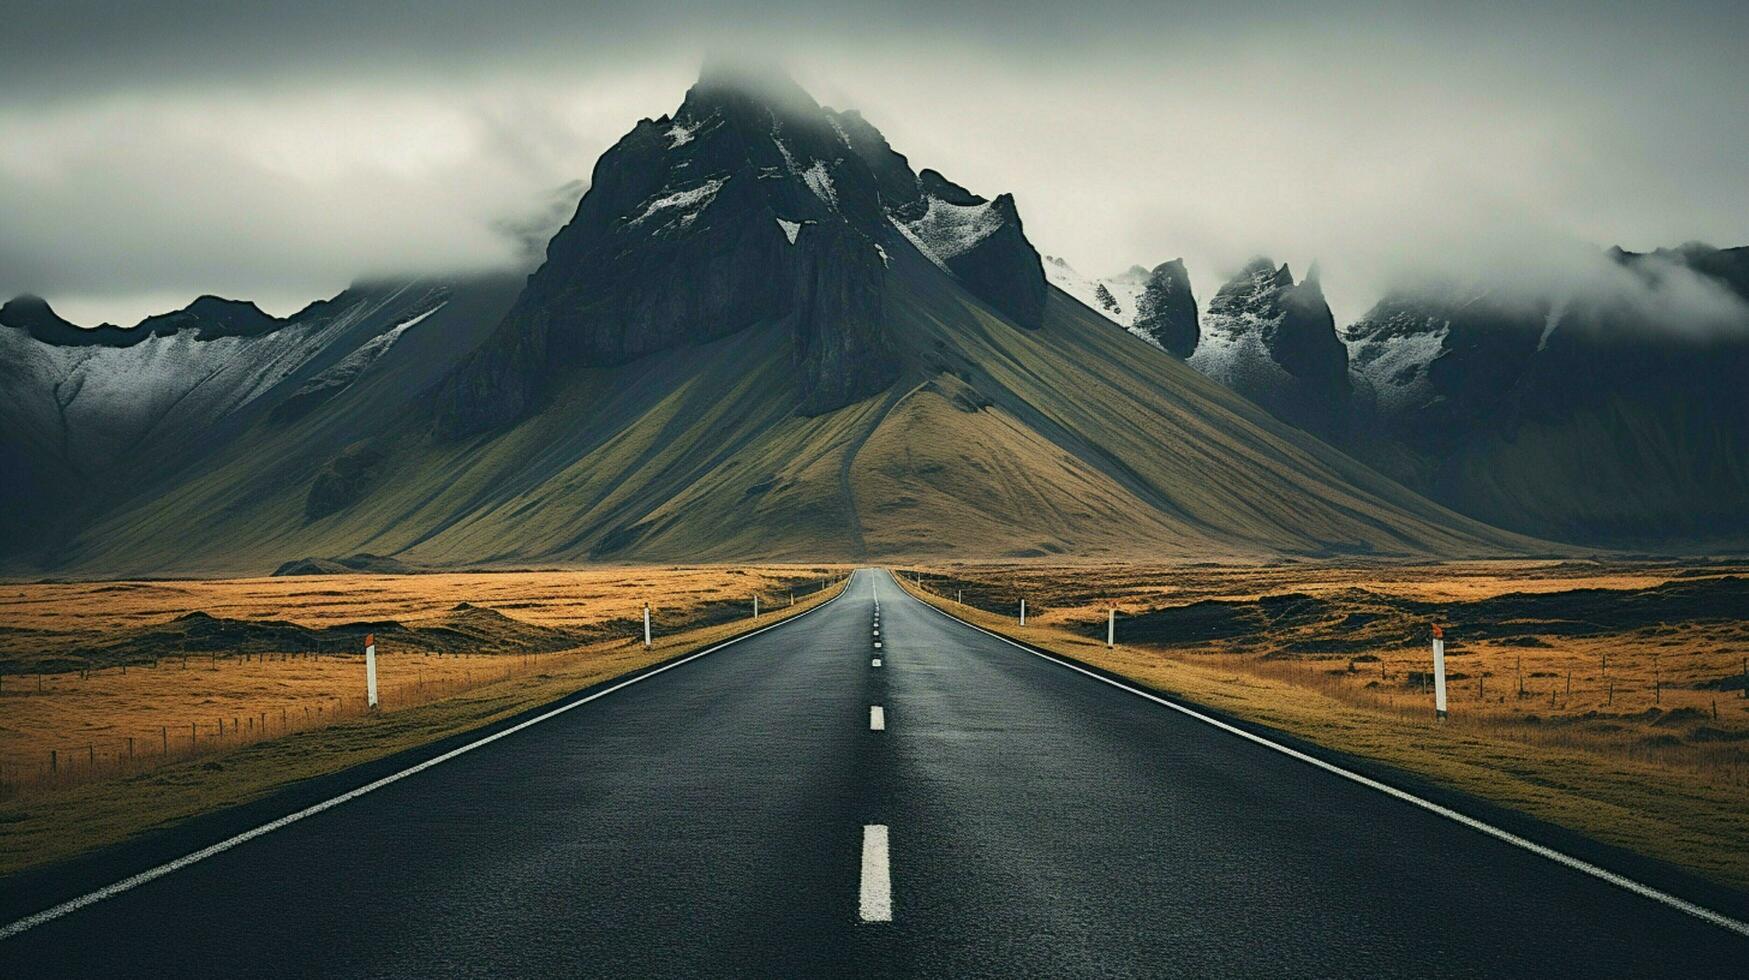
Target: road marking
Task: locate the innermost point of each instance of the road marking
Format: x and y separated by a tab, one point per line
877	718
877	878
877	644
877	632
152	874
1577	864
877	662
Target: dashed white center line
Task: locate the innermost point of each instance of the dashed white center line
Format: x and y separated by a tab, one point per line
876	663
877	644
877	879
877	718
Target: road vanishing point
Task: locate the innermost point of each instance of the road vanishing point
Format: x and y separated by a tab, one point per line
799	803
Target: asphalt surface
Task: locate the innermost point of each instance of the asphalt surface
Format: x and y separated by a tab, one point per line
710	820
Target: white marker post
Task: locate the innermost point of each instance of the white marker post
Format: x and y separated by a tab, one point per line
1023	612
646	626
370	668
1111	629
755	605
1439	672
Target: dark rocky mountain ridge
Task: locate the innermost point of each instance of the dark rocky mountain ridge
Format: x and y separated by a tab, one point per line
751	204
1274	341
1166	311
1586	417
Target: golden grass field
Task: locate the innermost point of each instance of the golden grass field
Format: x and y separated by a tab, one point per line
1650	751
218	724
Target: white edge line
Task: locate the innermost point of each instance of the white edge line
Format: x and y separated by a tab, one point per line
1541	850
127	884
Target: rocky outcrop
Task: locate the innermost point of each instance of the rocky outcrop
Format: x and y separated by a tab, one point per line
839	347
211	317
744	208
981	242
1275	342
750	205
1306	345
208	318
1166	310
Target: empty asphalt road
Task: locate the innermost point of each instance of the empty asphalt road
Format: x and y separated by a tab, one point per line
785	807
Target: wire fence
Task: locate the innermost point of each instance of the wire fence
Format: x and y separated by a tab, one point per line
128	749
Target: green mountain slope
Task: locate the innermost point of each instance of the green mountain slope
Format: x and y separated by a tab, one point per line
997	440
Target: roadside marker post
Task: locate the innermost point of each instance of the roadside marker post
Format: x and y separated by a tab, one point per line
646	626
370	668
1439	672
1023	612
1111	628
755	605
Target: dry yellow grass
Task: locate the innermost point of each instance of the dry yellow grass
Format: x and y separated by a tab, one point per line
47	823
575	597
65	727
1656	771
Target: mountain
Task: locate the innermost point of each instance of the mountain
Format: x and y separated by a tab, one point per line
93	416
1156	305
1604	416
750	204
1587	417
761	334
1274	341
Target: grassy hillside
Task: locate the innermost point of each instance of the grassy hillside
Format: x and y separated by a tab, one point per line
1074	438
1638	473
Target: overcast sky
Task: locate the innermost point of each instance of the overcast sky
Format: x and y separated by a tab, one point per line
153	152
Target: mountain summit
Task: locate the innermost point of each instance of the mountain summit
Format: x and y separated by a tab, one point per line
751	204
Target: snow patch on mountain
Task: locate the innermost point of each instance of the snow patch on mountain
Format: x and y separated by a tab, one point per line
951	230
1237	357
1243	314
679	135
838	127
683	206
1121	296
1393	361
919	244
819	180
102	403
1550	324
368	353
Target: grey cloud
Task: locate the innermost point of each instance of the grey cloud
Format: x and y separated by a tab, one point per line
185	147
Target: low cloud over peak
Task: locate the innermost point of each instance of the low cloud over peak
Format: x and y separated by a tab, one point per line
278	155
